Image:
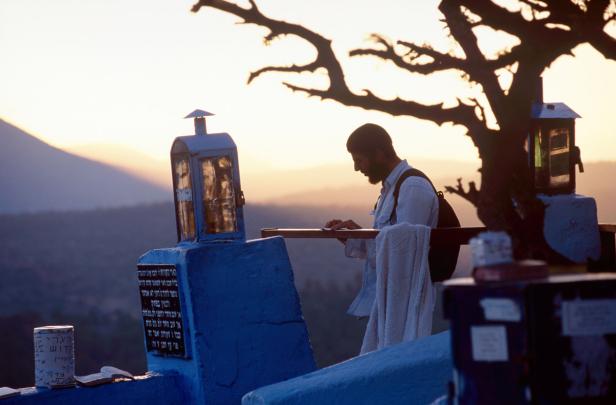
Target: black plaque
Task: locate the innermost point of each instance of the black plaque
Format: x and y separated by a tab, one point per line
161	310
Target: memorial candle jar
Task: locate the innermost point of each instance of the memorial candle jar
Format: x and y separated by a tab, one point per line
54	356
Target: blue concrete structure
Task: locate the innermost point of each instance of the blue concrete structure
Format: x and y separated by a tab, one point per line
242	313
146	390
218	310
541	341
416	372
571	226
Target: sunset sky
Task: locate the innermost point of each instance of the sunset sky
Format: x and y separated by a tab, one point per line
125	73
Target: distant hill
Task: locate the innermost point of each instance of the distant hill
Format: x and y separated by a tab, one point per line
129	160
594	182
597	181
79	268
263	183
35	176
66	260
269	185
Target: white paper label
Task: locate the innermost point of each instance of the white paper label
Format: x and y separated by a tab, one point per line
589	317
489	343
500	309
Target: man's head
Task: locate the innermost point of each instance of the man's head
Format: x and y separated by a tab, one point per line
372	151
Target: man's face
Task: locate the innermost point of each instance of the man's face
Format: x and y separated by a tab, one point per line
370	166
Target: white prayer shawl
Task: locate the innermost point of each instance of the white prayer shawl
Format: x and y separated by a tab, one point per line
405	297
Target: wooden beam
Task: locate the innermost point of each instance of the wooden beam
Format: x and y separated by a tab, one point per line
446	237
607	261
438	236
320	233
611	228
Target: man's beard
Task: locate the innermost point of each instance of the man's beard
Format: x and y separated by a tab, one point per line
376	173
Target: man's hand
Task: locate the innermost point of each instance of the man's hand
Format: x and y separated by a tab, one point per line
336	224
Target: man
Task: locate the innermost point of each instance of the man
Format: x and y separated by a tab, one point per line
374	156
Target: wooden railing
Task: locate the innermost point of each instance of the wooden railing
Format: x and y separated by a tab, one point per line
608	251
446	236
438	236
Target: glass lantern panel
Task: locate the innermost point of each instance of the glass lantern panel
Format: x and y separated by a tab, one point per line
559	157
184	198
218	194
540	159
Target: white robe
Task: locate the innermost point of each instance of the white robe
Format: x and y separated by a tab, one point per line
405	296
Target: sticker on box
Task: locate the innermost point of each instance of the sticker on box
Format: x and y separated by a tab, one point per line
500	309
589	317
489	343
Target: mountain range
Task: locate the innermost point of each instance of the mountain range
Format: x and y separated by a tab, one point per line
35	176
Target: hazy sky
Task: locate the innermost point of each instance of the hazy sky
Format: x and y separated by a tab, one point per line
126	72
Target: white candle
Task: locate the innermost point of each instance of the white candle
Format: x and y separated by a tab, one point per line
54	356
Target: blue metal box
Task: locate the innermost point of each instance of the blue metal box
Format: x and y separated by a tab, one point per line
549	341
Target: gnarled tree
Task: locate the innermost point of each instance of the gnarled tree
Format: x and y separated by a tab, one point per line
546	29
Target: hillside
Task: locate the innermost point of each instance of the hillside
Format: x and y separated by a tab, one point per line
63	261
35	176
304	185
80	268
129	160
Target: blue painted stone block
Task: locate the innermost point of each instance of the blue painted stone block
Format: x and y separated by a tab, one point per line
414	372
571	226
149	390
242	313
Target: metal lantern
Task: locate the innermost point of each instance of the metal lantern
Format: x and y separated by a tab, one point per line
551	148
206	183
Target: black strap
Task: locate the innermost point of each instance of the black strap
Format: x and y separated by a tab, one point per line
408	173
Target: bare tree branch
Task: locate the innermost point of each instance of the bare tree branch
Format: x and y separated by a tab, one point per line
535	4
461	113
498	17
472	195
338	89
482	111
605	44
325	55
409	61
585	20
585	23
546	29
478	70
311	67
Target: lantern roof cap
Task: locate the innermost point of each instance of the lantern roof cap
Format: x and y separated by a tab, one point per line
552	110
197	144
199	113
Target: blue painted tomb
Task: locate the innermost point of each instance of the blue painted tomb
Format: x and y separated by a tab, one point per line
219	310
